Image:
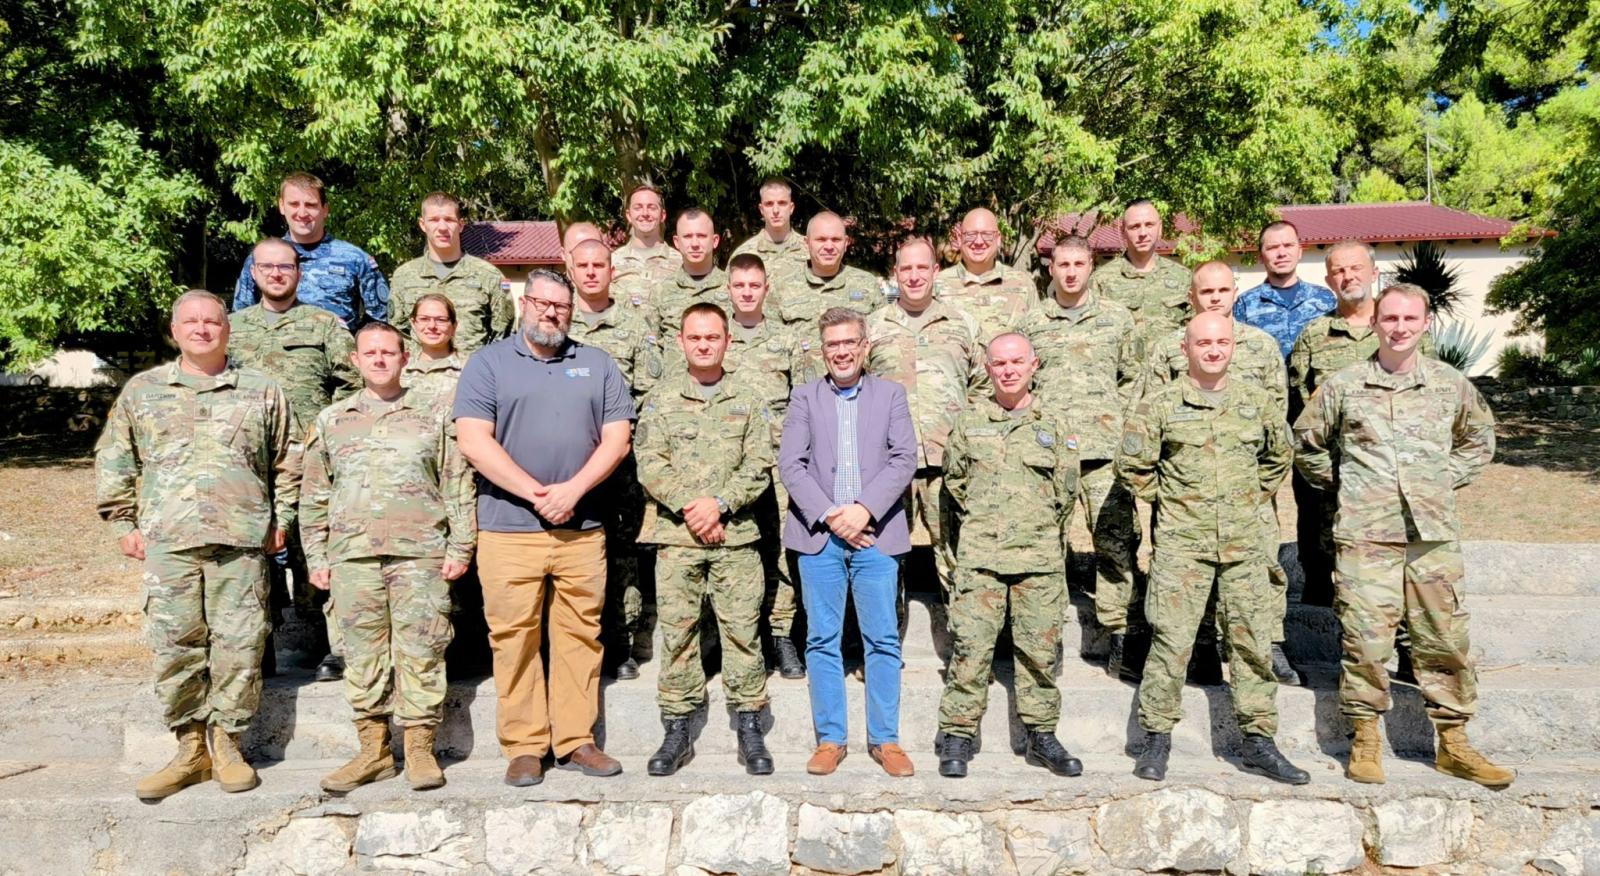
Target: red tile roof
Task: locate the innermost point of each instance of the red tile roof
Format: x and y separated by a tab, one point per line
1320	224
535	242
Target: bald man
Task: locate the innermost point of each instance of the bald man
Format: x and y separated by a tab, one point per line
1228	437
800	297
1212	289
999	295
1150	286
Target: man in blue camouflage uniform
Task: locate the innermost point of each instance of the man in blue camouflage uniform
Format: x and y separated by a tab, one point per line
1283	303
335	275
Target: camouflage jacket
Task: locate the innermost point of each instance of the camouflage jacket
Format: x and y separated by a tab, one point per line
1255	361
628	335
1001	299
768	362
672	297
433	378
1329	344
384	479
940	366
687	448
1088	368
1013	481
1207	465
636	270
1159	299
779	258
190	460
1396	447
800	297
306	351
484	310
335	275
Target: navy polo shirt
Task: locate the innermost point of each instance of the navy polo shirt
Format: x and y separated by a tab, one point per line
547	414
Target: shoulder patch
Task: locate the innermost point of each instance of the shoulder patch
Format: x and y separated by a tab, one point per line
1044	438
1132	443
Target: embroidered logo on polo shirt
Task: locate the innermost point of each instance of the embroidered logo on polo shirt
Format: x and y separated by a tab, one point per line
577	372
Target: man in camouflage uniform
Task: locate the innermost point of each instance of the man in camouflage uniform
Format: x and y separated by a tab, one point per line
308	352
766	355
197	473
627	333
1209	451
1155	289
1325	346
931	347
697	279
704	445
1255	361
645	260
781	249
484	311
800	297
388	517
1088	370
1011	475
1396	436
997	294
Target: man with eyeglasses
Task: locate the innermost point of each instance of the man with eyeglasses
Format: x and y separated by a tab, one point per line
335	275
645	260
308	352
999	295
544	420
484	312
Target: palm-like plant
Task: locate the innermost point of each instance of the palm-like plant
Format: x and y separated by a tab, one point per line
1425	266
1457	345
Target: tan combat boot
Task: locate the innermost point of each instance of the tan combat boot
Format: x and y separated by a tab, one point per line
232	771
422	770
1366	754
191	766
373	762
1458	758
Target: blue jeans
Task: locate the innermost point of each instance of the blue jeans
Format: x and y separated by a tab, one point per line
827	578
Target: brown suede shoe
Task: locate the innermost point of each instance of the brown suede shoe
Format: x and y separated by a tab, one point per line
893	759
826	759
525	770
590	761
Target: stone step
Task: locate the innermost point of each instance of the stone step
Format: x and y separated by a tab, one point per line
71	647
1004	819
76	613
1504	630
1504	568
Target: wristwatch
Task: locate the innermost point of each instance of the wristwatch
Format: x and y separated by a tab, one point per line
722	505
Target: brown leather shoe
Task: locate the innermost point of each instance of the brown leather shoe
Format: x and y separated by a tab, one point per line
826	759
893	759
590	761
525	770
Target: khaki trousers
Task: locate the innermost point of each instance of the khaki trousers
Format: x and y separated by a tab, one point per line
514	568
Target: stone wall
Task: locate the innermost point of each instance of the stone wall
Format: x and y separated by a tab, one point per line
1580	404
37	410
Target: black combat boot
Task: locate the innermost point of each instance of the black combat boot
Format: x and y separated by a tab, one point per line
330	669
1119	644
789	665
675	751
1282	669
1046	751
752	748
954	754
1261	756
1152	762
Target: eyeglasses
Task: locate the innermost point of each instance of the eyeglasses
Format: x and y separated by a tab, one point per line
277	267
981	236
849	344
433	320
540	305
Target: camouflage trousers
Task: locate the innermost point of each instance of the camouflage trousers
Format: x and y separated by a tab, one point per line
1279	604
206	624
978	610
1376	586
1179	589
782	604
395	615
932	527
1109	509
624	606
730	578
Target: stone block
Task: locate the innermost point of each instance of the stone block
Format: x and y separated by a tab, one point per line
1506	835
421	842
1422	831
1573	847
537	839
745	834
1174	829
631	839
40	847
1045	843
304	847
1292	837
182	845
843	842
948	844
